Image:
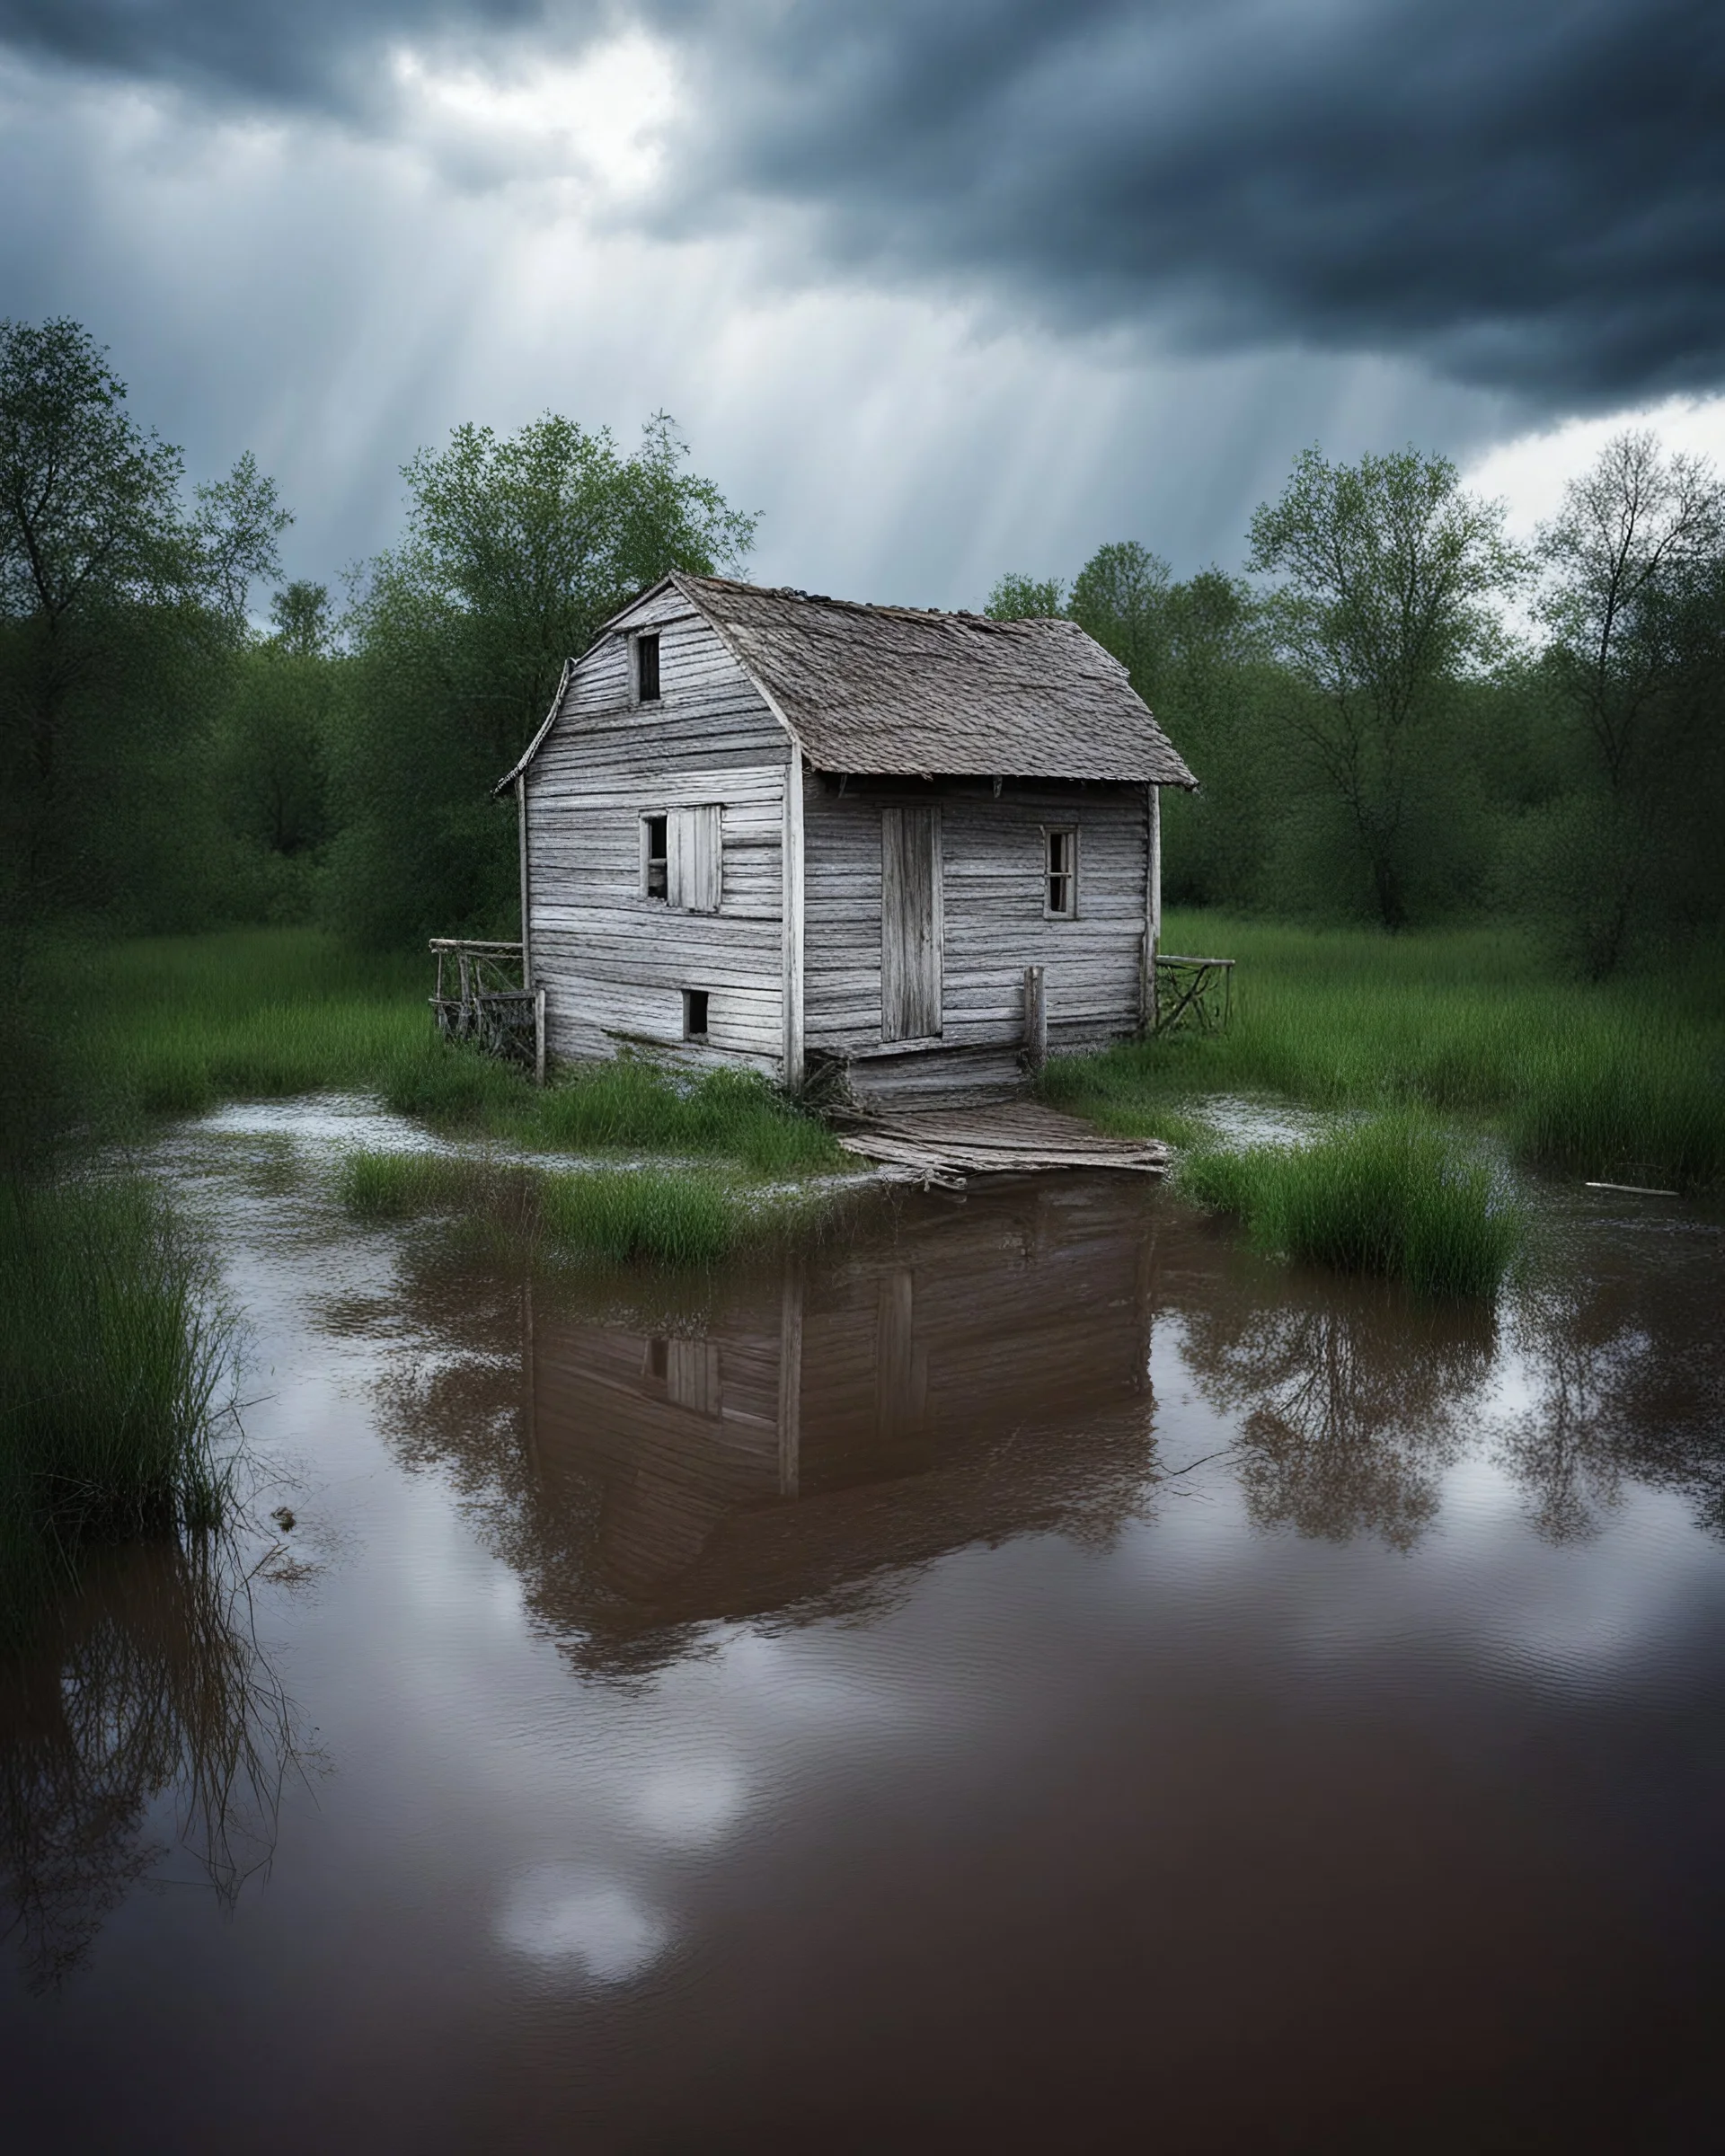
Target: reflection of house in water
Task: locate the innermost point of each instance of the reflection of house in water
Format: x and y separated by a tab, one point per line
865	1407
947	1375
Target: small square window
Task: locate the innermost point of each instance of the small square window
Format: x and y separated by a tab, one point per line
647	669
695	1014
1062	874
655	857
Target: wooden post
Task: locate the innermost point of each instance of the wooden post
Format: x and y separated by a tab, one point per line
521	837
791	953
469	1010
1149	998
538	1037
1036	1018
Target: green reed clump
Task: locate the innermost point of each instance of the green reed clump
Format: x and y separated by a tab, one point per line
1643	1106
401	1186
626	1106
111	1358
648	1215
456	1087
1391	1195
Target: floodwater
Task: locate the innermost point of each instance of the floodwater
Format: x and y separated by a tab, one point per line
1014	1673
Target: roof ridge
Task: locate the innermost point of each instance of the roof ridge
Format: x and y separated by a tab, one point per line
910	613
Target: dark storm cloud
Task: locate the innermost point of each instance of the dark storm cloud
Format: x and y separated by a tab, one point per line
1527	195
310	53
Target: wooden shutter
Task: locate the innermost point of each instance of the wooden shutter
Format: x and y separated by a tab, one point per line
696	850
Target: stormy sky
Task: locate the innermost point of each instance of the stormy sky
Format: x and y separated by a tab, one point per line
942	288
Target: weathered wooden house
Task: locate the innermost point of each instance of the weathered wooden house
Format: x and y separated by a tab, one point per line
768	830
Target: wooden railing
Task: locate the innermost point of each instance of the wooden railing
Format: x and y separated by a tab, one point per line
481	996
1195	992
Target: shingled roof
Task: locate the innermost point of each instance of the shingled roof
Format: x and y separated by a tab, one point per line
893	690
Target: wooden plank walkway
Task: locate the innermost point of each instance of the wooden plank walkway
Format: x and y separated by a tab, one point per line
943	1145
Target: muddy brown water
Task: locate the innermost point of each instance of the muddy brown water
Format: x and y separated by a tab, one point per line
1013	1672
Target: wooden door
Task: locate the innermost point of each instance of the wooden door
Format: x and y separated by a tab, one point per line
911	924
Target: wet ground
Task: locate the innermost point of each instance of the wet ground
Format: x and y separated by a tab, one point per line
1014	1673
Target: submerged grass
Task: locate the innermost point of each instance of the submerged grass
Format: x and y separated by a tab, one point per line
1392	1195
1627	1079
111	1357
675	1218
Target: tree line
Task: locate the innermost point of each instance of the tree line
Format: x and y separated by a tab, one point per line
1399	717
1396	715
172	763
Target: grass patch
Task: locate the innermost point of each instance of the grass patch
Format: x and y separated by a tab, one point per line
734	1114
401	1186
111	1361
628	1106
174	1025
1391	1195
646	1215
661	1216
1628	1079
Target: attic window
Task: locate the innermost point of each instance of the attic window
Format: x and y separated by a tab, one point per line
1061	873
647	669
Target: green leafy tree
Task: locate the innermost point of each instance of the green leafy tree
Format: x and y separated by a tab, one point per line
1120	597
1630	601
300	620
1213	692
518	549
1389	576
119	611
273	755
1016	598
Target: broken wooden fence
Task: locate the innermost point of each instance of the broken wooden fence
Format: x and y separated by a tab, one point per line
1194	993
482	997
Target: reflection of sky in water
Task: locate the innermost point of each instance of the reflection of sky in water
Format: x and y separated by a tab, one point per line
566	1918
693	1804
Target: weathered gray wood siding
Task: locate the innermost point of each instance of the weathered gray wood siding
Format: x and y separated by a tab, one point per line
994	905
614	964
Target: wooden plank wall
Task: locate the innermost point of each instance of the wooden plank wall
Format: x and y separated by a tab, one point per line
994	926
612	961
